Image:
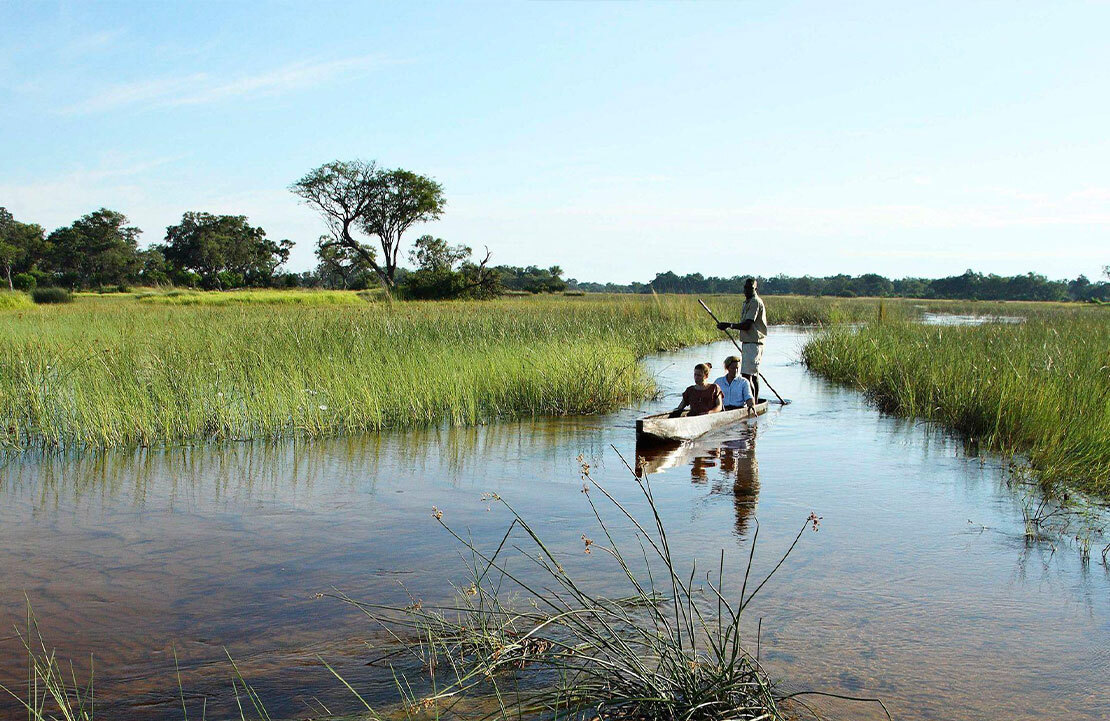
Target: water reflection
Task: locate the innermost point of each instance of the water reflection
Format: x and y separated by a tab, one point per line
722	465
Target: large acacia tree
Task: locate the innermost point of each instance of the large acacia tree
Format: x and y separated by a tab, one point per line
357	197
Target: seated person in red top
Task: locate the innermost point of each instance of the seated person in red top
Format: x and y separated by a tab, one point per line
702	397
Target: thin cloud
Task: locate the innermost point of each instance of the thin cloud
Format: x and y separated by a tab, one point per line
202	88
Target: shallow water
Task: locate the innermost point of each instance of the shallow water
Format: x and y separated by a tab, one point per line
919	586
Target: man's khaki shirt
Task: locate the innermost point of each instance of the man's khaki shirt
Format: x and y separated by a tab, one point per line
757	314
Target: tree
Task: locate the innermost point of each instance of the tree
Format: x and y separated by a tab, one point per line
341	266
358	196
225	250
436	276
154	269
21	244
97	249
430	253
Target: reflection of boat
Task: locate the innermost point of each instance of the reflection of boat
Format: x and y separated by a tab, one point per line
657	456
726	467
686	428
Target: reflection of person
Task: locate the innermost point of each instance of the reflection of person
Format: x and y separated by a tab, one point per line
701	397
736	390
698	468
745	485
739	475
753	329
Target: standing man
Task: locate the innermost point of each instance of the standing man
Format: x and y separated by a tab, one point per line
753	329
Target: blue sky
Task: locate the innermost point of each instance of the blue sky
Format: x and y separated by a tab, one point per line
614	139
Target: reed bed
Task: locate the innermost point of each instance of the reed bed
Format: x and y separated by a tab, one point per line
259	297
105	372
1040	388
14	300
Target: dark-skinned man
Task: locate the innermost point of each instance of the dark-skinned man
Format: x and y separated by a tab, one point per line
753	329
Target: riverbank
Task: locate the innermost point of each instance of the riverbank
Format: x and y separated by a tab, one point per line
1040	388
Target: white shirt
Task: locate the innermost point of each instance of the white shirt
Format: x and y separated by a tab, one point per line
737	393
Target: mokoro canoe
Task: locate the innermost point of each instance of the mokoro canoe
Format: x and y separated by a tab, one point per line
661	427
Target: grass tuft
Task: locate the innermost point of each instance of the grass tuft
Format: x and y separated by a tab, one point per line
51	295
14	300
671	649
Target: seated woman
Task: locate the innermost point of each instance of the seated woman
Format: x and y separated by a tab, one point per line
701	397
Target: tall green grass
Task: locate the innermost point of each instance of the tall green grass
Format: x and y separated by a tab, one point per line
261	297
1040	388
672	649
106	371
110	372
14	300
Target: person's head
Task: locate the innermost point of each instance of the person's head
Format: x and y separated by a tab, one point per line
750	286
701	372
732	366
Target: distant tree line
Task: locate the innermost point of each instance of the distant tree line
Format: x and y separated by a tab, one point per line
101	250
970	285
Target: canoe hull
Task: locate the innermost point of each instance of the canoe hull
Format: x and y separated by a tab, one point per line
661	427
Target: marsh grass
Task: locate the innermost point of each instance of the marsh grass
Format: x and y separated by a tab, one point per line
1040	388
255	297
106	371
14	300
176	366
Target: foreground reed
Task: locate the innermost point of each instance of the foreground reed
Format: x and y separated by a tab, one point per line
671	649
1039	388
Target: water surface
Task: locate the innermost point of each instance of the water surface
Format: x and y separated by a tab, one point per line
919	586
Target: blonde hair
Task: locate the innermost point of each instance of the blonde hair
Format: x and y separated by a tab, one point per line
705	367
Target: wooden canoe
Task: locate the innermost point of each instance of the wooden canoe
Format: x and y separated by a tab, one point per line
661	427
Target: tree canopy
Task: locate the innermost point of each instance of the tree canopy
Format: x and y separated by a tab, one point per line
100	248
357	196
224	250
21	245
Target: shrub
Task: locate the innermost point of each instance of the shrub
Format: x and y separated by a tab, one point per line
24	281
51	295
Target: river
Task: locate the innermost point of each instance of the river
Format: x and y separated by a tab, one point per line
919	586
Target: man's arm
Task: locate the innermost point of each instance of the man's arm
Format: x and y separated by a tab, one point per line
742	325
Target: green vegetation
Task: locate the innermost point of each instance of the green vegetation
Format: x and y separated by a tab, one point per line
970	286
108	371
1039	388
256	297
51	295
10	300
672	648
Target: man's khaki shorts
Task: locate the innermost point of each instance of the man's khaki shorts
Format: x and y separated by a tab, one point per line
751	354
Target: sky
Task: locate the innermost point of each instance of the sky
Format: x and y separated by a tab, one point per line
616	140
